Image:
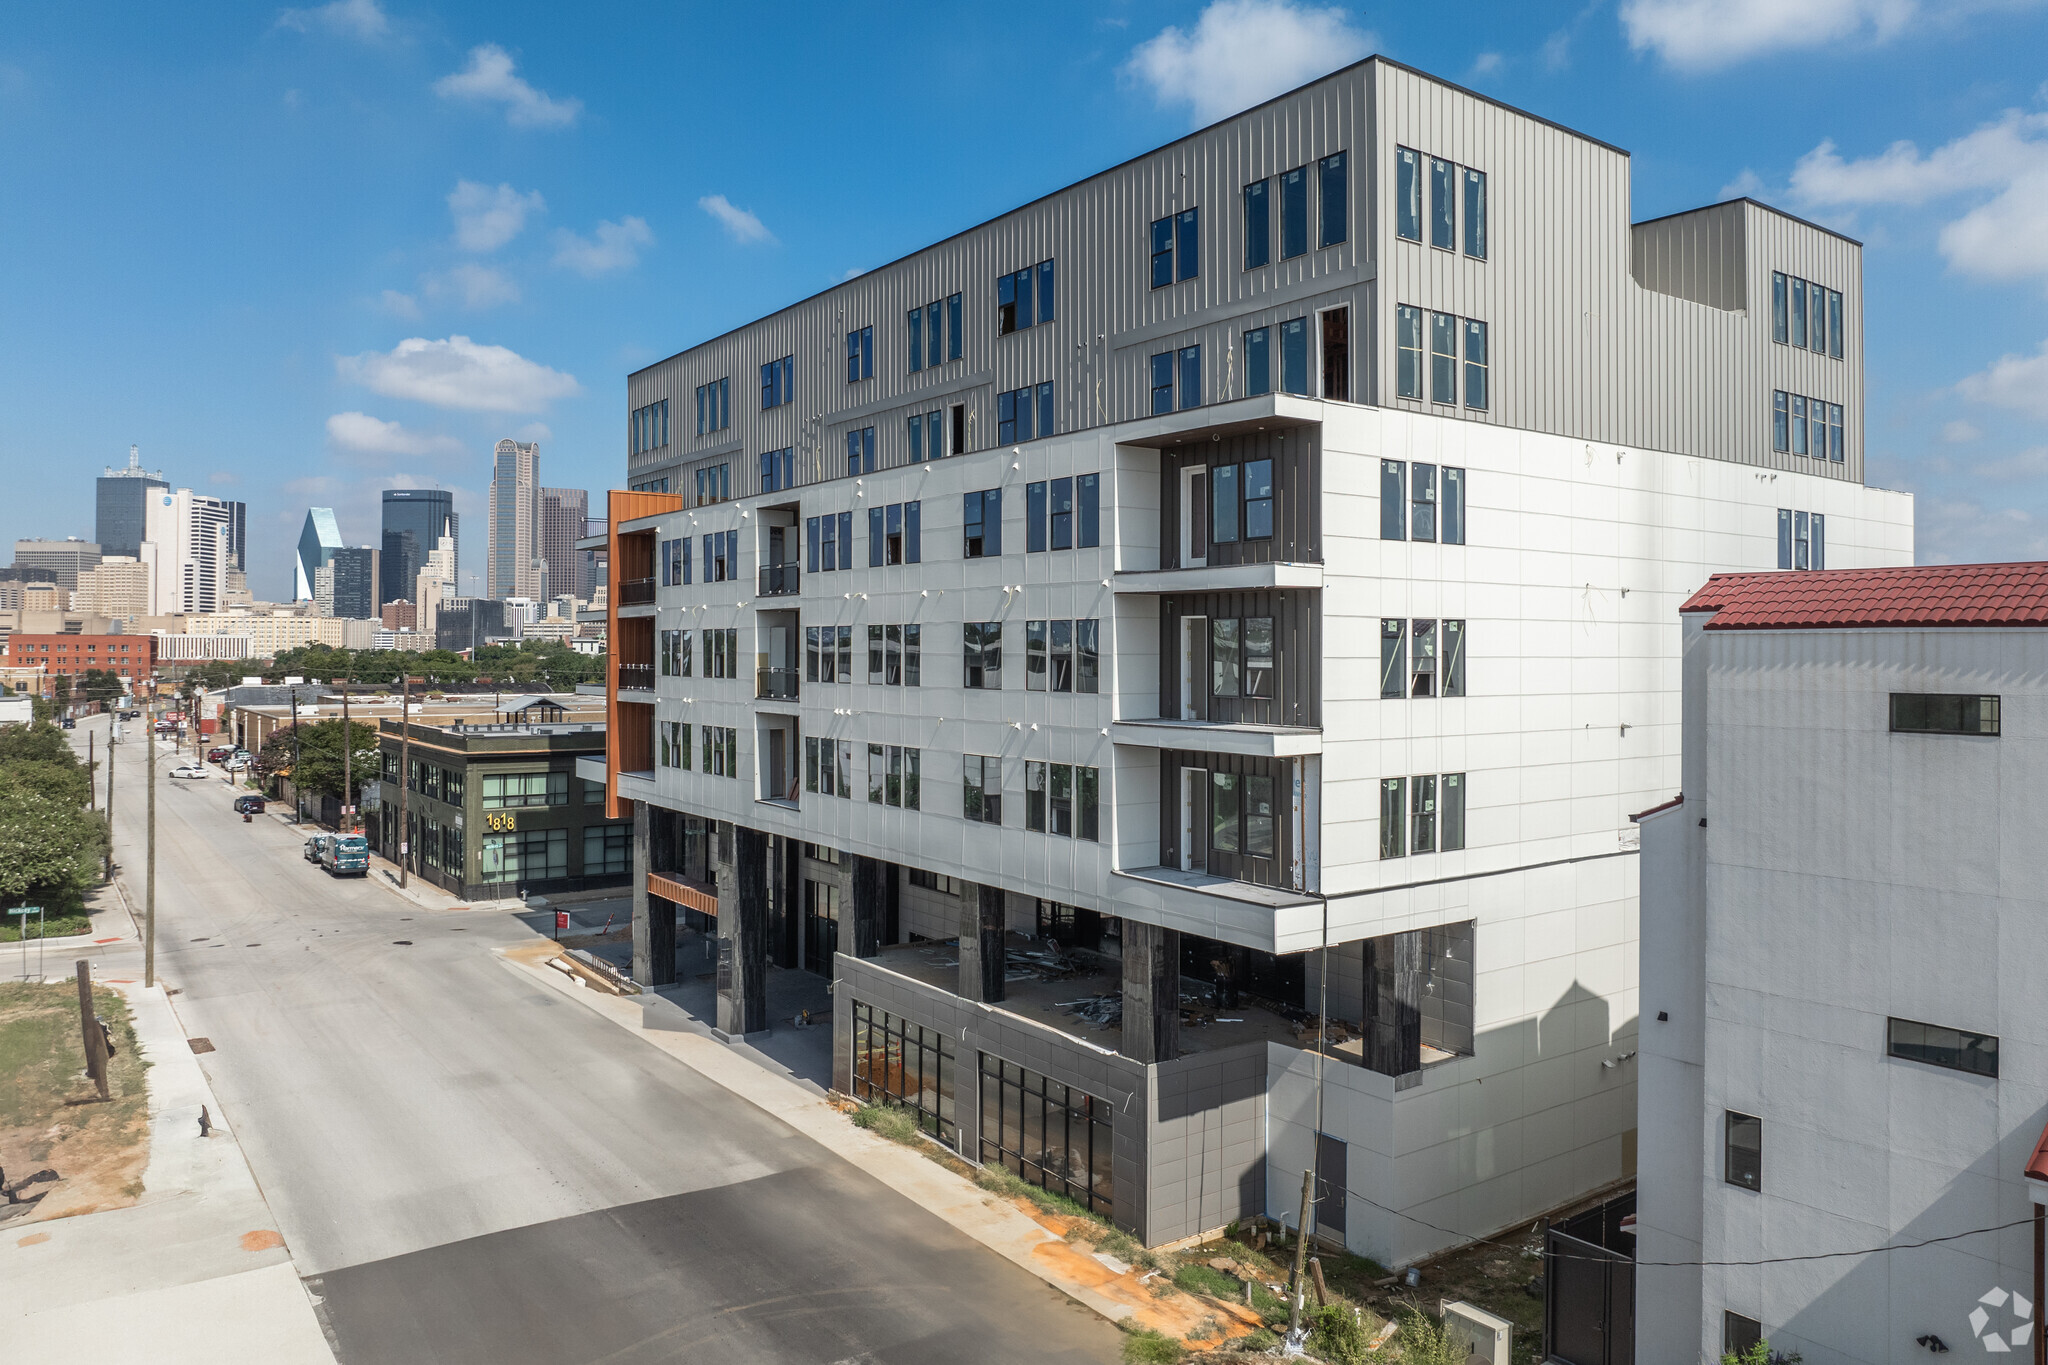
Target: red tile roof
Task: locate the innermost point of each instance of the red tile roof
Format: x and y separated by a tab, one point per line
1918	595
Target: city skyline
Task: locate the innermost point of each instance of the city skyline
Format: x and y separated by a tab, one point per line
522	247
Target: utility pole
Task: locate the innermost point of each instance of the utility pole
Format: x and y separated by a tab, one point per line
348	753
404	769
1294	1285
90	764
110	801
89	1027
149	883
295	755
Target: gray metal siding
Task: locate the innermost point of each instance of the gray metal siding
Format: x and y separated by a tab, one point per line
1596	330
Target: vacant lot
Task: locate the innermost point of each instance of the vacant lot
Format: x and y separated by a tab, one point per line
51	1117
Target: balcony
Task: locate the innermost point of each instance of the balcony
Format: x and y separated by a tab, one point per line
636	592
776	684
636	677
780	580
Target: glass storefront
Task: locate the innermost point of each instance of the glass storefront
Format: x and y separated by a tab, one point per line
527	856
903	1063
1055	1137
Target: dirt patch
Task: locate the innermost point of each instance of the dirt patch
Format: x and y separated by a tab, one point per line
51	1116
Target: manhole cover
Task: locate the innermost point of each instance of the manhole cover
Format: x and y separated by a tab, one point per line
200	1044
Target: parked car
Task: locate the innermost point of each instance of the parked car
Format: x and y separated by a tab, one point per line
70	724
345	855
219	753
128	715
249	805
316	846
237	763
190	770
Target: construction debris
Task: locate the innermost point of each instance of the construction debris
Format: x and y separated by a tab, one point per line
1103	1011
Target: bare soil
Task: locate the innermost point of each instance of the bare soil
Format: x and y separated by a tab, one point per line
51	1116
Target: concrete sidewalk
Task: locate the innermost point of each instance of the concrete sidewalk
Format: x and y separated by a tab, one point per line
195	1272
762	1081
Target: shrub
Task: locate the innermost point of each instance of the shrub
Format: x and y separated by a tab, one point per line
1259	1340
1339	1335
1146	1346
888	1121
1426	1341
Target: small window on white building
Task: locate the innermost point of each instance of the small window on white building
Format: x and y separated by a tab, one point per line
1743	1151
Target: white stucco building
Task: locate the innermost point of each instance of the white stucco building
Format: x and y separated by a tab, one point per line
1844	921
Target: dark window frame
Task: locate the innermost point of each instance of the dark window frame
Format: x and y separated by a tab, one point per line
1979	720
1952	1049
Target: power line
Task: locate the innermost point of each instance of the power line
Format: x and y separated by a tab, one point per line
1670	1265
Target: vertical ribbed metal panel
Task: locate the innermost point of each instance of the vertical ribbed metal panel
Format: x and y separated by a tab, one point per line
1656	336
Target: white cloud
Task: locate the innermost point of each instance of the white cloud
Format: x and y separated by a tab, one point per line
221	477
2019	382
487	218
1963	531
1702	34
362	19
1748	185
738	223
1960	432
458	373
1708	33
534	431
1557	51
477	287
2028	464
1487	63
2004	237
399	305
1244	51
361	434
614	246
490	79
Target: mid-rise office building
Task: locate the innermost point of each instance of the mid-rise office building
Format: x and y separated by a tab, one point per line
415	520
117	586
1843	918
512	562
463	623
353	570
564	520
65	559
1237	592
121	499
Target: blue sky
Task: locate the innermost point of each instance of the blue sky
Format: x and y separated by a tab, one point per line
299	255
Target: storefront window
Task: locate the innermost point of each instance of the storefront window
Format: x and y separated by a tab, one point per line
1055	1137
896	1062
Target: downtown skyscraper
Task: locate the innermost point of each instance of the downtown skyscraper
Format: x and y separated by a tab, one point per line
513	556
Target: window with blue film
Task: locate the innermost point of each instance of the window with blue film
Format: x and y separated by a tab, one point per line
1334	193
1294	356
1087	492
1162	253
1258	362
1294	213
1258	226
1034	517
1162	382
916	333
1191	376
860	355
1187	243
860	451
1045	410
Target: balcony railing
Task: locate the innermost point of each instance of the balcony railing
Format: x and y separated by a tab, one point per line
780	580
636	592
779	684
640	676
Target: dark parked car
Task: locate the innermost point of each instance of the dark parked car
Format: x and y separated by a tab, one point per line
248	805
70	724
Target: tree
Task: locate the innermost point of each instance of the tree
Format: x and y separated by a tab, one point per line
319	766
101	685
51	846
60	692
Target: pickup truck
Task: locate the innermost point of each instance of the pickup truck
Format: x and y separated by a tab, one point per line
346	855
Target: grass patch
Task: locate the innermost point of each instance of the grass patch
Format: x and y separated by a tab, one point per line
53	926
1197	1278
1145	1346
1341	1336
888	1121
98	1150
1259	1340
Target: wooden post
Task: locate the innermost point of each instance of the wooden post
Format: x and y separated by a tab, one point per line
1294	1290
89	1026
1315	1273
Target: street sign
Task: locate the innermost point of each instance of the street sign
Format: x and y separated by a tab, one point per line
561	921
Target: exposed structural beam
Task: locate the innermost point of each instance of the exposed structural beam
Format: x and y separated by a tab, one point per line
743	938
1151	992
981	943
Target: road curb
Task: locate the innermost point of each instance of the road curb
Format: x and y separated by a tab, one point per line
969	1209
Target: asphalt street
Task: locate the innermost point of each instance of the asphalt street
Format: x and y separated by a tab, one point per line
468	1167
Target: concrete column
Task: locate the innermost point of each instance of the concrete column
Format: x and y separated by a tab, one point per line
743	938
643	948
786	858
981	943
1151	992
1394	979
870	898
